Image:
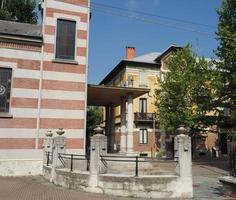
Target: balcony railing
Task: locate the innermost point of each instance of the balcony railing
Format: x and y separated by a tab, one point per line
144	117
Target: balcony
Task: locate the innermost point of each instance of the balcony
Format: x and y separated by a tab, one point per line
144	117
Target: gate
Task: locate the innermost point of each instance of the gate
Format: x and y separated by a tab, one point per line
232	157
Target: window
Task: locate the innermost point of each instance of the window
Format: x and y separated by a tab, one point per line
130	81
143	79
5	89
143	136
143	105
65	42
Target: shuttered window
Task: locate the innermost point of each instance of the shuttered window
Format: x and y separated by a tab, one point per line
143	136
5	89
65	44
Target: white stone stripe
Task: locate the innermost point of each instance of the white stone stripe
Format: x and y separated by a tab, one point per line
63	95
63	76
24	112
67	6
50	21
81	43
8	64
31	133
69	133
61	114
50	39
25	73
21	154
20	54
17	133
82	60
24	93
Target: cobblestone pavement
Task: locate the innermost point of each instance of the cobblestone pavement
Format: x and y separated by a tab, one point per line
206	186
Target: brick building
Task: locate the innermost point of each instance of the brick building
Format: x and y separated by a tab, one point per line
43	78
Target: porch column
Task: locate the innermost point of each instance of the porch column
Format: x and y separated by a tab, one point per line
111	136
123	125
130	124
107	124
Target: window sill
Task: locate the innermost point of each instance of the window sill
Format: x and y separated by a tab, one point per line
73	62
6	115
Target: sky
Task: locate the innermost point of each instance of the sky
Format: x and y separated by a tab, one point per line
111	30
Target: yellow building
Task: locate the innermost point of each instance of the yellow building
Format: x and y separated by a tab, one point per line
138	72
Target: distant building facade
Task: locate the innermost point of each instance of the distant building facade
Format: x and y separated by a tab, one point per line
141	72
43	80
144	72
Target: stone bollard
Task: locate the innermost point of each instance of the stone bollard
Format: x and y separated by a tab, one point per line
184	158
98	148
48	147
58	147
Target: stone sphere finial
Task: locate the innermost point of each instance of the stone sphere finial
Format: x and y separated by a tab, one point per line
98	130
181	130
49	133
60	131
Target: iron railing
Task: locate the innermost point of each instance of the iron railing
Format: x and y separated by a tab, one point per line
144	117
73	157
232	158
48	157
132	159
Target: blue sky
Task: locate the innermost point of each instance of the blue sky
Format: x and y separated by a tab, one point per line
110	34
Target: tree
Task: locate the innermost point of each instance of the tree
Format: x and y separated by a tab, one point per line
226	51
188	92
18	10
94	117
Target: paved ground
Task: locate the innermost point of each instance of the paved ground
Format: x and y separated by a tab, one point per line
205	179
206	186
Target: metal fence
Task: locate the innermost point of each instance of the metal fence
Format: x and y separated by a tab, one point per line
72	157
48	158
133	159
232	157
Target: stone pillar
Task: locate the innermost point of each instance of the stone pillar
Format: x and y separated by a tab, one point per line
98	149
111	136
123	125
48	147
130	124
107	120
58	147
184	157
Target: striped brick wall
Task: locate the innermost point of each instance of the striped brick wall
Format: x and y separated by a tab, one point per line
63	102
58	89
19	132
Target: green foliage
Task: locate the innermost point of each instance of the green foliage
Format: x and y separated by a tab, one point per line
18	10
226	52
187	93
94	117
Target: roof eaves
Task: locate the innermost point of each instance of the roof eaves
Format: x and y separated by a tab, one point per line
172	47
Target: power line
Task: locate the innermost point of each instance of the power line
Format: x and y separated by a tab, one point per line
131	16
154	15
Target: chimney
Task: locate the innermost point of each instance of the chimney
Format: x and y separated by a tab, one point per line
130	52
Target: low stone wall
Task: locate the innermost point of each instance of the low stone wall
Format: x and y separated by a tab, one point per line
20	167
161	186
172	179
229	186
